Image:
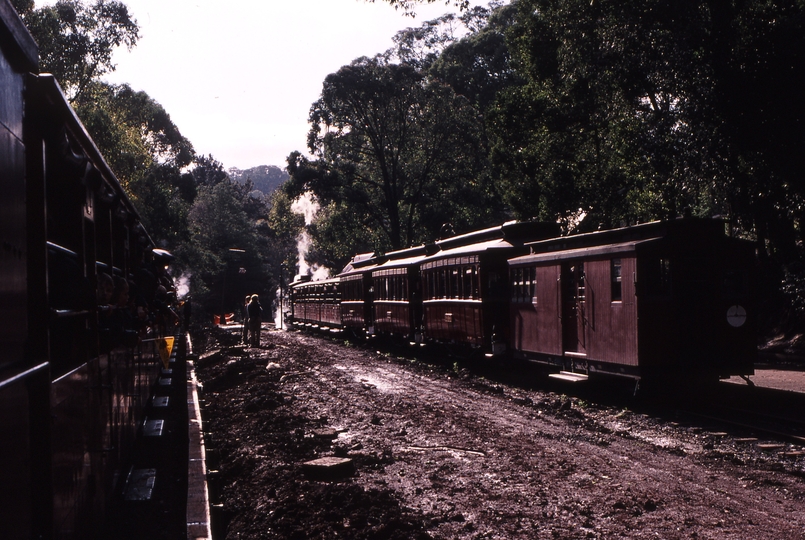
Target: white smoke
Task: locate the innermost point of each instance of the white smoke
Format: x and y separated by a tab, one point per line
307	206
183	285
278	314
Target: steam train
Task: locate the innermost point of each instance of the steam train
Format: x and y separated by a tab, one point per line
661	301
74	377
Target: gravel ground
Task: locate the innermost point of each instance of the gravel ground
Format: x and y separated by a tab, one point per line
441	452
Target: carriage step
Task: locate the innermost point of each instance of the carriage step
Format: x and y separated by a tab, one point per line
569	376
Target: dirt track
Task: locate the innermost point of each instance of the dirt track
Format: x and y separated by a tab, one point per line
440	453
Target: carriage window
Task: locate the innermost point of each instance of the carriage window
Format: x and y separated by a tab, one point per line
514	279
524	284
615	278
467	276
581	287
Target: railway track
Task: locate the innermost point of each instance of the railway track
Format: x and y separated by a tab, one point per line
754	422
776	414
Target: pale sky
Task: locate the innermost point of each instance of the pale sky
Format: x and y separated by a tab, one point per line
238	77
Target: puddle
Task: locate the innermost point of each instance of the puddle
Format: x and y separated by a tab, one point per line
375	381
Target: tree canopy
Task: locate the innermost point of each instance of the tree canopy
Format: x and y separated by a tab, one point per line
409	6
399	150
76	40
650	110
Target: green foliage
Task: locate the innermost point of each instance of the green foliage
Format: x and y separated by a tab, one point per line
161	205
420	46
76	40
132	131
651	110
285	226
403	152
228	253
338	234
23	7
147	153
478	66
123	145
409	6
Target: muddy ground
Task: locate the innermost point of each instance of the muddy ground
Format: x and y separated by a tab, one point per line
443	452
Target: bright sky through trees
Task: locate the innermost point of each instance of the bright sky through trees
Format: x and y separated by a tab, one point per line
238	78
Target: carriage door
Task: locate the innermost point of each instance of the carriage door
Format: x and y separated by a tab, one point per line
573	308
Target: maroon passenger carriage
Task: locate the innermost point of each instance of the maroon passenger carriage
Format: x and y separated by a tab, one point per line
316	303
357	293
660	300
465	292
397	305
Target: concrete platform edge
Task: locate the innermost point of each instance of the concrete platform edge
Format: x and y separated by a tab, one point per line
198	503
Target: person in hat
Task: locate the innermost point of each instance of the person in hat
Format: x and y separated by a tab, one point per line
255	320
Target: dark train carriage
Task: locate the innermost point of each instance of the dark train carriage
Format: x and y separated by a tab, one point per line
25	502
398	293
465	293
656	300
316	303
101	374
356	294
72	385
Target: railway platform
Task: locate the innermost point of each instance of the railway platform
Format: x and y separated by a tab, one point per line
773	376
163	491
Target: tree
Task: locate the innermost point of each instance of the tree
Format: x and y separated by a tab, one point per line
76	40
401	151
147	153
228	250
644	110
478	66
420	46
208	171
603	121
131	130
409	6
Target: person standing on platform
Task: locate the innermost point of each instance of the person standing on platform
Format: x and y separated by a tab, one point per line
255	320
244	314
